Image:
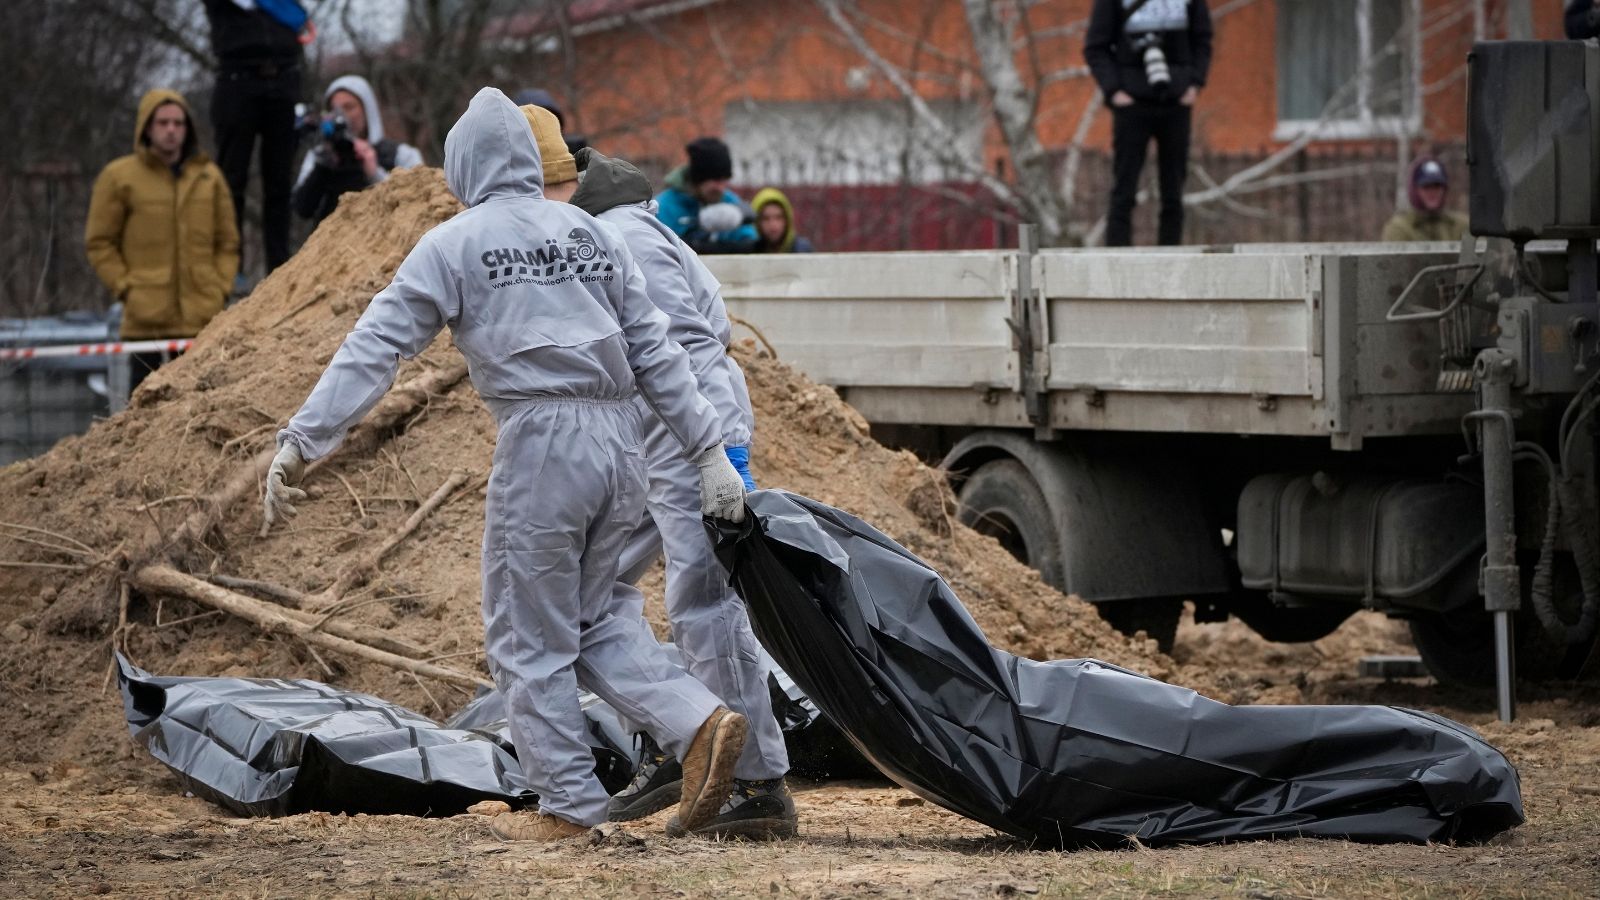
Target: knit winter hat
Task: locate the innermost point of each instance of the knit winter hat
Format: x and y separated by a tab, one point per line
709	160
559	166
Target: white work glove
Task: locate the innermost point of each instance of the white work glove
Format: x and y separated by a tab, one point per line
721	488
287	469
720	217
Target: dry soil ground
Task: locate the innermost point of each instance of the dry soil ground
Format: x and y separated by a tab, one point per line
124	827
83	810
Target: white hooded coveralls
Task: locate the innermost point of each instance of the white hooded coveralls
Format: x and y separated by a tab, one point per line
549	309
709	623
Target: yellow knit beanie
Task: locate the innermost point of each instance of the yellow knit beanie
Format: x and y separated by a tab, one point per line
559	166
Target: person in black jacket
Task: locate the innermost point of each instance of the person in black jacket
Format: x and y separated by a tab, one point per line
1150	59
258	83
1583	20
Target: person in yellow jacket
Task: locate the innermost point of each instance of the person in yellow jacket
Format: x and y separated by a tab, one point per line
776	231
161	231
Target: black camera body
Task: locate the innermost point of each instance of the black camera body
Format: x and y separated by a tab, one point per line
336	144
1156	71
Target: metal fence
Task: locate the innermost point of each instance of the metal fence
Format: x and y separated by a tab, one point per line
1327	193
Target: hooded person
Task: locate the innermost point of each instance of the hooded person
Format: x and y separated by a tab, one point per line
698	206
775	228
1427	219
161	231
548	306
353	161
709	622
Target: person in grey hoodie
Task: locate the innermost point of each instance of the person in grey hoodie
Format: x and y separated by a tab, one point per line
361	158
549	308
709	623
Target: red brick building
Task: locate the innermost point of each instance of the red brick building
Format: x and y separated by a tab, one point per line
803	106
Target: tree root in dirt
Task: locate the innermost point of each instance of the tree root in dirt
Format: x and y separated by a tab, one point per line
327	599
163	579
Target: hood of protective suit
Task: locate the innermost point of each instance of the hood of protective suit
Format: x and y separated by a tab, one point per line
147	109
489	153
608	183
359	86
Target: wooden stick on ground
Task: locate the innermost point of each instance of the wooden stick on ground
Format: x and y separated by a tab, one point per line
391	412
366	566
373	637
167	580
285	595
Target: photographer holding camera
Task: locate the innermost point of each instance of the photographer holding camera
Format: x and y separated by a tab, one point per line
1150	58
351	152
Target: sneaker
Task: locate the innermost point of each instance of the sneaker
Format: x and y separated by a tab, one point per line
657	785
755	810
534	826
708	766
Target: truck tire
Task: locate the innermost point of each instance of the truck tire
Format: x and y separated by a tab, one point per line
1457	647
1158	618
1000	499
1457	644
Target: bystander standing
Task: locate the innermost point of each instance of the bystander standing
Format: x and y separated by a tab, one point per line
776	231
1150	59
258	50
698	206
161	231
353	153
1427	219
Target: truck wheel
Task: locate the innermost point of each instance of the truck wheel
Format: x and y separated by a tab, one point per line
1003	501
1158	619
1457	646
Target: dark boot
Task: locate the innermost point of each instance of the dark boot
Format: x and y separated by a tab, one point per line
657	785
755	810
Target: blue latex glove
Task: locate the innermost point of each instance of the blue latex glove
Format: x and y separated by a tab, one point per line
740	457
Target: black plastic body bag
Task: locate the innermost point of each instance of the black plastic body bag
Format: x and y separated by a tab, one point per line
1080	752
273	747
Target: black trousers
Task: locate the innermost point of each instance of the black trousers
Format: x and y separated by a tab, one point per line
1132	129
248	106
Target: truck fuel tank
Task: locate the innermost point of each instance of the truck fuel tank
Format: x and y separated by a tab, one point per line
1368	538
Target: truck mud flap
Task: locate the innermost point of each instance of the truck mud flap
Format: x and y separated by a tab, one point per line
1080	752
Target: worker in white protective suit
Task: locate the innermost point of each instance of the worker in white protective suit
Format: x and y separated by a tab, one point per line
549	309
709	623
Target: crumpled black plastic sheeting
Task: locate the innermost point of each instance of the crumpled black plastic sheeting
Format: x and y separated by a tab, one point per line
269	747
1079	752
816	748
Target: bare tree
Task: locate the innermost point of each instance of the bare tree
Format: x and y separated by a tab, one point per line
75	70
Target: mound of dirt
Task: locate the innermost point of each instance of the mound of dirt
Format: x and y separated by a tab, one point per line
130	491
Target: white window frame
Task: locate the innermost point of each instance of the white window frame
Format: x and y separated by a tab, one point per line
1366	126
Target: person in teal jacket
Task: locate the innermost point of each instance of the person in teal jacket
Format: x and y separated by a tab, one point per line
698	206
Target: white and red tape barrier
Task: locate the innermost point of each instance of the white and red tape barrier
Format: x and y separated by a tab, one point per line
112	348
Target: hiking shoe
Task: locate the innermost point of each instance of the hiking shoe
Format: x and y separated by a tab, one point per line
657	785
708	766
532	826
755	810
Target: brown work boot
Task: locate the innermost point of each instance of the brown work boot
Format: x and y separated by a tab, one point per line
708	766
532	826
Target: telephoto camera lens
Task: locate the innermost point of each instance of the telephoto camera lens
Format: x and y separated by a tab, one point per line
1155	61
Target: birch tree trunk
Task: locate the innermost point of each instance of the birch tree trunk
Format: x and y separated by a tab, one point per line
1013	105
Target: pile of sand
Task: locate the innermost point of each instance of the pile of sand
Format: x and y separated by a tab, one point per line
132	479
